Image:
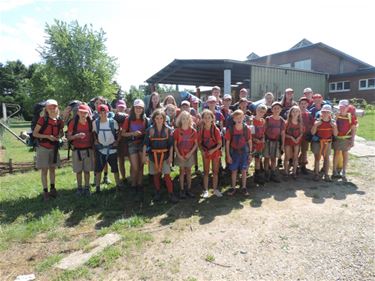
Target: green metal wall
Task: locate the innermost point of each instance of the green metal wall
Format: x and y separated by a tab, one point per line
276	80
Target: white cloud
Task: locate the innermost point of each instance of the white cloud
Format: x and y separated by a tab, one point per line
7	5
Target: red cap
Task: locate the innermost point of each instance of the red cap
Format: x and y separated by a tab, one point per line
317	96
84	108
103	107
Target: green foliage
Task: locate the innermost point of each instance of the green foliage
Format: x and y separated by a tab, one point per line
106	258
77	63
366	127
48	262
134	93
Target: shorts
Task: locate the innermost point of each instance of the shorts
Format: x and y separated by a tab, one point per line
271	149
240	161
86	164
122	147
341	144
315	148
184	163
101	160
165	170
134	148
44	158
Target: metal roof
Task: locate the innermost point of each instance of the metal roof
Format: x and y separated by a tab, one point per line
201	72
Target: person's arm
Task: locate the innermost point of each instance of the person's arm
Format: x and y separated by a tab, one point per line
227	148
353	133
37	135
315	127
334	127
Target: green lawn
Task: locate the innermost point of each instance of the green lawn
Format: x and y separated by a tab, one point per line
366	128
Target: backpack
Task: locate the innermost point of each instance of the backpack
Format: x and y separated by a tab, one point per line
37	110
245	133
111	126
212	135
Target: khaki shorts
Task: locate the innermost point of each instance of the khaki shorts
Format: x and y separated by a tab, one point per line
165	170
86	164
341	144
315	147
44	158
184	163
271	149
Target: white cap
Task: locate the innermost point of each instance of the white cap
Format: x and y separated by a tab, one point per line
211	98
139	102
343	103
227	97
289	90
307	90
326	107
185	102
51	102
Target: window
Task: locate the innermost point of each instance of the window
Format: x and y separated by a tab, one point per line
285	65
341	86
303	64
367	84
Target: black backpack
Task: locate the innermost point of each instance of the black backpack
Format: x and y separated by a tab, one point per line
38	108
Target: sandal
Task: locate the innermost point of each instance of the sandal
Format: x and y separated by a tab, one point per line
232	191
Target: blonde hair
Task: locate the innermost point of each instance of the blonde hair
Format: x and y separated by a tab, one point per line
238	112
261	106
179	119
208	112
299	119
167	98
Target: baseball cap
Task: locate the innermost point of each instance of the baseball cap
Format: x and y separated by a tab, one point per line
303	99
51	102
194	100
121	103
289	90
243	100
103	107
243	90
84	108
185	102
326	107
276	103
211	98
343	103
139	102
227	97
307	90
317	96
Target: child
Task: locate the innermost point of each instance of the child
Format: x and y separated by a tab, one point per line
105	145
275	136
323	130
171	112
293	138
185	145
80	135
344	141
122	149
258	141
218	116
133	130
49	129
209	142
308	122
158	150
238	148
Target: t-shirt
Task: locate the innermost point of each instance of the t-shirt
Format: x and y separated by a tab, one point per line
209	139
274	128
105	135
185	139
293	130
135	125
239	139
53	128
259	127
345	123
308	121
85	142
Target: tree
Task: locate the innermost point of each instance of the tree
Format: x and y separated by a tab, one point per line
134	93
77	62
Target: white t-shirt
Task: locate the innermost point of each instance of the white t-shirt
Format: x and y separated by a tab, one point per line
105	136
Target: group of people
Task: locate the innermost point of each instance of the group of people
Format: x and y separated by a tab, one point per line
163	134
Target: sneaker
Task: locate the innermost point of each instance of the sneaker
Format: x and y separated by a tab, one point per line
327	178
205	194
106	180
218	193
172	198
182	194
344	179
45	196
86	191
79	191
190	194
232	191
53	192
97	191
157	196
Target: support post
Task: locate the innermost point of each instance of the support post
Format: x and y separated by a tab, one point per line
227	81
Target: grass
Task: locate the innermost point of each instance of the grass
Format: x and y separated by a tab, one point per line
366	128
48	262
209	258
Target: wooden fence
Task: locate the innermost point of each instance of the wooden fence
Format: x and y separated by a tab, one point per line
21	167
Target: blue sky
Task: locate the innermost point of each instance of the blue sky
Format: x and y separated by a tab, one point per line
147	35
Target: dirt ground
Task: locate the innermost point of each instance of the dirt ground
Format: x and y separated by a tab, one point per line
296	230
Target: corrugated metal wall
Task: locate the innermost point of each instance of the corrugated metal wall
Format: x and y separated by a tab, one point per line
276	80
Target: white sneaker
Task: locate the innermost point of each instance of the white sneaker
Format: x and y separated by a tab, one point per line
218	193
205	194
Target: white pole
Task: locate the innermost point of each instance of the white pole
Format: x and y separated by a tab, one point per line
227	81
4	112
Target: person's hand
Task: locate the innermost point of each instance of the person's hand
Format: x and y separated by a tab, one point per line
229	159
169	160
318	123
80	135
52	138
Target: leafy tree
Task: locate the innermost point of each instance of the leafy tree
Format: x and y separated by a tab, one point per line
77	63
134	93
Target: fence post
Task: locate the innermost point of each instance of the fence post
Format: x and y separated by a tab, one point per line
34	162
10	166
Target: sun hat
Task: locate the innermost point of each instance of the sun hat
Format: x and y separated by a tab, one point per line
327	108
343	103
51	102
211	98
227	97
